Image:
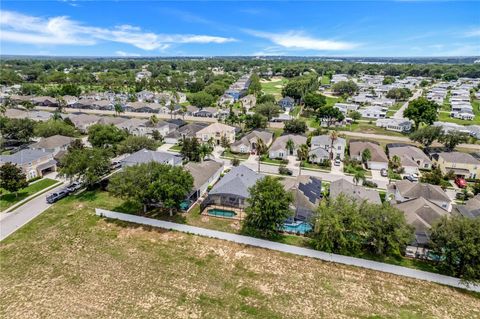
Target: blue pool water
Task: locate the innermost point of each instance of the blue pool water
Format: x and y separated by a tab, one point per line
221	213
297	227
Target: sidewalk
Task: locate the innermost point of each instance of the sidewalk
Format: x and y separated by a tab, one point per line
245	240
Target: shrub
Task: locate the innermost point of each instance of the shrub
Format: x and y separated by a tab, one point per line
369	184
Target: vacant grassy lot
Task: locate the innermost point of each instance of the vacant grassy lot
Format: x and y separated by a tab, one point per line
8	199
68	263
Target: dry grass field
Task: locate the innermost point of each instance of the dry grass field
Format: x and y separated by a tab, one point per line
68	263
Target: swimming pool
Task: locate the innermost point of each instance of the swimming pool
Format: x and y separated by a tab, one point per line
297	227
221	213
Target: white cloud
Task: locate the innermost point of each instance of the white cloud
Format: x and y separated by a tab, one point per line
300	41
61	30
126	54
473	33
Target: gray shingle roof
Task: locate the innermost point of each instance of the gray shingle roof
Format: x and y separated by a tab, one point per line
202	172
427	191
459	157
52	142
342	186
421	213
281	142
24	156
147	156
236	182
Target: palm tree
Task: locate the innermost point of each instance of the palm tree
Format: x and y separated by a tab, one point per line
205	150
6	104
366	155
153	119
184	110
261	149
290	145
118	108
171	107
61	104
302	154
395	163
359	176
28	105
333	138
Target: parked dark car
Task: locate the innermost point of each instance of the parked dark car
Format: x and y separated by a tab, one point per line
384	172
57	196
75	186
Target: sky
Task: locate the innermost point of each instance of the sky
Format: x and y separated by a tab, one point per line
233	28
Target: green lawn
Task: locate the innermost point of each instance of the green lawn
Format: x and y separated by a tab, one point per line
308	165
240	156
325	80
175	148
444	116
8	199
370	128
68	263
274	87
266	160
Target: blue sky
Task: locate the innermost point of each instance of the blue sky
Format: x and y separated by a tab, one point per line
153	28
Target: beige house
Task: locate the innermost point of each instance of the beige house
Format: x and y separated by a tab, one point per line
462	164
378	159
216	131
248	101
53	144
412	158
249	142
32	162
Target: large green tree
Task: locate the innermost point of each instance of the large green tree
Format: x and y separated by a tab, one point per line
426	135
153	184
12	178
457	241
132	144
190	149
295	126
421	111
314	100
330	115
453	138
55	127
201	99
21	130
105	135
255	121
269	110
345	87
88	165
268	208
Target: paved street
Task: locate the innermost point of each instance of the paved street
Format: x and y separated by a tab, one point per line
399	113
245	240
10	222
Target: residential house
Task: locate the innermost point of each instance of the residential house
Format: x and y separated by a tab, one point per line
396	125
232	189
103	105
282	117
462	164
204	174
83	121
373	112
287	103
307	195
248	101
33	162
405	190
53	144
321	148
412	158
134	126
346	107
147	156
471	209
355	192
279	146
186	131
226	99
378	159
421	214
45	101
38	116
206	112
217	131
249	142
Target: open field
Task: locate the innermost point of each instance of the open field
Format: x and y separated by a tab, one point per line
274	86
8	199
70	263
